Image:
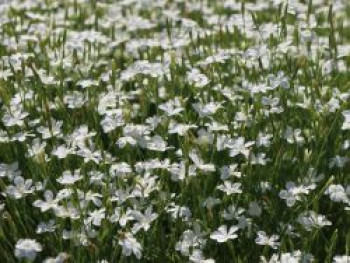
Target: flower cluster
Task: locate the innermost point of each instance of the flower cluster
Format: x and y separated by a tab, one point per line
174	131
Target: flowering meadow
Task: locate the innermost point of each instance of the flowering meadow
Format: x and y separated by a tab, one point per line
175	131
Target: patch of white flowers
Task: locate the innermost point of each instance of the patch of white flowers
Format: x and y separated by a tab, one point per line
174	131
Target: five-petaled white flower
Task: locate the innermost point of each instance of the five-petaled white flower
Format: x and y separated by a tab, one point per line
265	240
223	235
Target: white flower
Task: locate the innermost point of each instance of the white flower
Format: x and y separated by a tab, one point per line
265	240
259	158
337	193
20	188
338	161
48	80
239	146
134	23
229	171
62	151
200	163
310	220
230	188
153	121
69	178
178	171
197	257
145	186
143	220
263	140
21	136
208	109
341	259
293	136
177	211
61	258
14	117
144	67
120	169
79	136
123	219
130	246
136	130
116	215
46	227
294	193
53	131
295	257
346	123
196	78
333	104
49	203
37	148
191	239
222	235
74	100
233	212
68	211
346	145
123	141
85	83
89	155
2	207
156	143
172	107
111	122
121	195
27	249
86	198
179	128
95	217
9	170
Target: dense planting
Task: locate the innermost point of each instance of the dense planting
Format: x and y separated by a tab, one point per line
175	131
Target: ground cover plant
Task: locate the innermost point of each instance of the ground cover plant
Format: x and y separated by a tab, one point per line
175	131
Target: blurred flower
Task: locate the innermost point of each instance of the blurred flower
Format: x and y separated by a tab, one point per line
27	249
